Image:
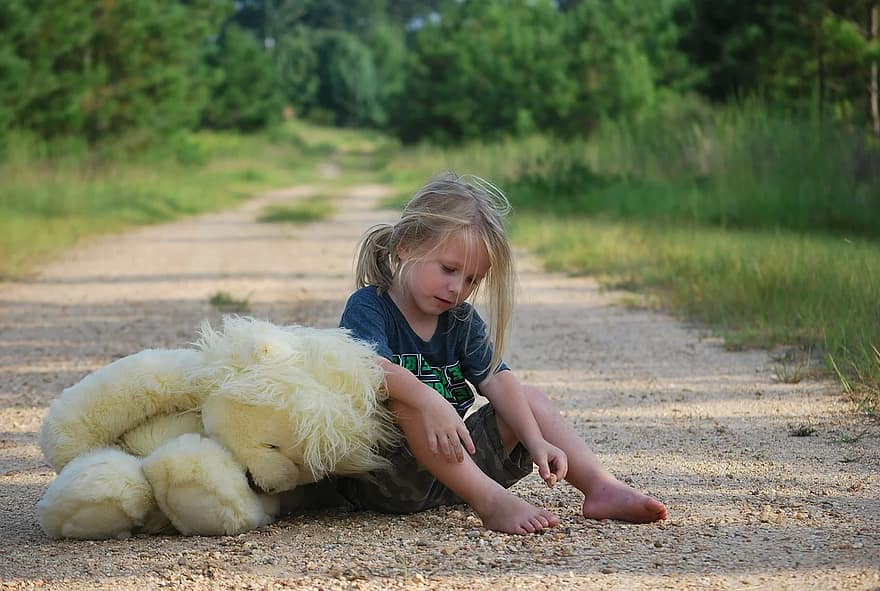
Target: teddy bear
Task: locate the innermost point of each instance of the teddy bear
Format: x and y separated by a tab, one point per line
207	440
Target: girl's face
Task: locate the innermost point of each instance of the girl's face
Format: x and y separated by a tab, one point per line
442	278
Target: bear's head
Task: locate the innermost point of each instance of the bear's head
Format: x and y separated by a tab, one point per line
294	404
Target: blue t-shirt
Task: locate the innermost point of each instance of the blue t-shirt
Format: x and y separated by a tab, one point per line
457	355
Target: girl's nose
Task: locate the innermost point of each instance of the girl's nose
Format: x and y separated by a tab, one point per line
456	286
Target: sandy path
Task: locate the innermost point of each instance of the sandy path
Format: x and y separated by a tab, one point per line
706	431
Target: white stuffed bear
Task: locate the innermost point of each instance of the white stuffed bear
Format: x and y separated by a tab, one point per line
204	441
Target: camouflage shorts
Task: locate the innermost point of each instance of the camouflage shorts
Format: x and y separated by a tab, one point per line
409	488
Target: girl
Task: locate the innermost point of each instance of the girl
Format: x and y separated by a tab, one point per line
415	278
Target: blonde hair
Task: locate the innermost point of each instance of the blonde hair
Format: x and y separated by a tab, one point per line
449	204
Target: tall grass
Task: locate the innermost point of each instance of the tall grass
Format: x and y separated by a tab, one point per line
765	226
745	167
758	288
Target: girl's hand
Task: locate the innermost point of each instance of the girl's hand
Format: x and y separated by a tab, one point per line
551	461
444	429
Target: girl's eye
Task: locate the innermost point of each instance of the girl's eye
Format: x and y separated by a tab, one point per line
448	269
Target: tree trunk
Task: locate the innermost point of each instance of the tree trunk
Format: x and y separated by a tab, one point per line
873	90
820	77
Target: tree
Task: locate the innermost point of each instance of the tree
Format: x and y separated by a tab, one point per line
16	25
623	52
296	66
851	32
821	54
486	70
349	82
103	69
245	95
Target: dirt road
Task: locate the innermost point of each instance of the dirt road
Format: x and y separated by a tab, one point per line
709	432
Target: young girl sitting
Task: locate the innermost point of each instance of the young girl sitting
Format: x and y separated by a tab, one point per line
415	278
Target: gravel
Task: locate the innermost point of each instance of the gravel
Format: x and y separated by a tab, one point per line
709	432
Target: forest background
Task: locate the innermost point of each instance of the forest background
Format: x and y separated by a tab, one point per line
721	158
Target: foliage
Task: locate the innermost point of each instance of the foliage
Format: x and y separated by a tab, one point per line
244	95
791	52
625	53
295	62
106	69
439	70
758	288
485	70
315	209
350	85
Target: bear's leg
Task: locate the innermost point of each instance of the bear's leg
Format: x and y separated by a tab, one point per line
102	494
203	490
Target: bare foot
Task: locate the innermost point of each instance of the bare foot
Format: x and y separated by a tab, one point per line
615	500
510	514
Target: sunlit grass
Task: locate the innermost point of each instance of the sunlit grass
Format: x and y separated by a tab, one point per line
49	201
694	214
647	230
314	209
757	288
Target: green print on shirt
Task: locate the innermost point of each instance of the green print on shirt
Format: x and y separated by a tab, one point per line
448	381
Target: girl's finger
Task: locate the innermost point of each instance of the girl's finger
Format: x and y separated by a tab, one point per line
444	446
543	468
561	467
465	437
456	447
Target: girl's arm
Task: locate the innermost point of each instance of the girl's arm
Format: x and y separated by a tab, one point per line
505	393
435	417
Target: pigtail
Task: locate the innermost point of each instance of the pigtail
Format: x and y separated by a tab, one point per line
374	258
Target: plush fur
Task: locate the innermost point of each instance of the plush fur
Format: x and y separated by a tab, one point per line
102	494
293	403
189	430
203	490
117	398
143	439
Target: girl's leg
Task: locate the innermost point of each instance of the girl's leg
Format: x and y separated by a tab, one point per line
498	508
605	496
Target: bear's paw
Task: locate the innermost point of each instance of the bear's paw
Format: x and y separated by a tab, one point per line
203	490
100	495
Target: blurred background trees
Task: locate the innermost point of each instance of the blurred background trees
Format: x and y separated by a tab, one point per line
441	70
724	153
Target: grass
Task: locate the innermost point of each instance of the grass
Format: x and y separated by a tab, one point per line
860	382
764	227
314	209
756	288
47	205
52	197
793	366
226	302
